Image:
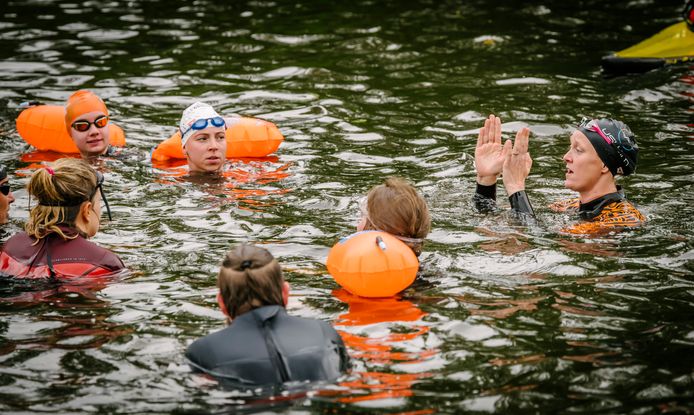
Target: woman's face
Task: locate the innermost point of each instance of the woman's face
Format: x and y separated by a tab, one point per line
583	165
206	150
94	140
5	200
93	226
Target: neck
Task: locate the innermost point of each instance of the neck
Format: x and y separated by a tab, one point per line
599	190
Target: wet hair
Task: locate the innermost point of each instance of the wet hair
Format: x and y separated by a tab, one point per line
60	188
397	208
249	278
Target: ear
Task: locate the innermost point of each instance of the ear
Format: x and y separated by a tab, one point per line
285	292
604	169
221	304
85	211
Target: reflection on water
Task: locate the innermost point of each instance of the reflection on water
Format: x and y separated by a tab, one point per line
506	318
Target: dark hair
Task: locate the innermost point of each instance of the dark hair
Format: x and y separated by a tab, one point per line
249	278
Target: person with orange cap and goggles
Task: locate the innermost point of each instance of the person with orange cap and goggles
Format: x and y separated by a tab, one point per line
203	138
86	120
600	150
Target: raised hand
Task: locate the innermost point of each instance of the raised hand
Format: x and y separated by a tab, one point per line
517	162
489	153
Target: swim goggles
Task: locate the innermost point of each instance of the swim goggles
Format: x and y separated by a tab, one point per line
202	123
99	186
5	188
83	125
72	203
621	143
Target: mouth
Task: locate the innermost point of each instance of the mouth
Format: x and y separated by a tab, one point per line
95	141
213	159
569	171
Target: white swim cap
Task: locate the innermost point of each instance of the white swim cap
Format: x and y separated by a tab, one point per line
195	112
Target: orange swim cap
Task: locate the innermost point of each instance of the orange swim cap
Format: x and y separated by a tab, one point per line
82	102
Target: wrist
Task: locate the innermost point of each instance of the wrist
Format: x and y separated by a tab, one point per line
514	188
486	180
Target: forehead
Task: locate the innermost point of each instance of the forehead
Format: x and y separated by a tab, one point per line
577	137
90	116
208	131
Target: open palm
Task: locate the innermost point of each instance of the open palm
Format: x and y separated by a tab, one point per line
489	153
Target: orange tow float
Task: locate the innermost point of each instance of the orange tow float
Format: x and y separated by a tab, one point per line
43	126
246	137
372	264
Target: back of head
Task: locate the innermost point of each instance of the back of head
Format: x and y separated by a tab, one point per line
82	102
397	208
249	278
60	190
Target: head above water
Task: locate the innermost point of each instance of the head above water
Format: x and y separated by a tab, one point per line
203	138
614	142
6	196
86	120
397	208
249	278
68	194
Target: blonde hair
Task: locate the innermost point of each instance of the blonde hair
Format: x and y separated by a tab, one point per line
249	278
60	188
397	208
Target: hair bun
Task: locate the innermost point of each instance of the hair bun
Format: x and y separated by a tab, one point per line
246	264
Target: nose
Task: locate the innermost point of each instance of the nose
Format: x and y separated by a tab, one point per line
10	197
566	157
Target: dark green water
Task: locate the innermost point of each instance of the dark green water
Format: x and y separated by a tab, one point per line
506	320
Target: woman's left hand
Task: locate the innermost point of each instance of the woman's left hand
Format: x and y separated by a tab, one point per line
517	163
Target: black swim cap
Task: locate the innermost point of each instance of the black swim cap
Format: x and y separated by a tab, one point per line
614	142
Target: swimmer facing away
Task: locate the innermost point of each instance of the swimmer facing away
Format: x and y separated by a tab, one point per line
397	208
55	241
600	150
203	138
263	345
86	120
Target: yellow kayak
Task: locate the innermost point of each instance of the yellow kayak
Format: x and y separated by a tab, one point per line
673	45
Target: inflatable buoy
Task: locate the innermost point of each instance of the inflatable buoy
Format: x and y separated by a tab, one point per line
43	126
246	137
673	45
372	264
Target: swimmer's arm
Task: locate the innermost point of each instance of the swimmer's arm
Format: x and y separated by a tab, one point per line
516	169
485	197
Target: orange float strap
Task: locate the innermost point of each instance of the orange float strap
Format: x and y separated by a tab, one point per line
246	137
43	126
372	264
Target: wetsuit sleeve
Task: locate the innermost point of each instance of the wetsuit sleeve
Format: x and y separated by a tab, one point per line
485	198
520	203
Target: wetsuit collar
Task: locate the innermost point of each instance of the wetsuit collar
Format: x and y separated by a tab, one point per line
592	209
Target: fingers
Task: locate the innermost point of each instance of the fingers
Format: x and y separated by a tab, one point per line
483	136
506	151
496	121
521	144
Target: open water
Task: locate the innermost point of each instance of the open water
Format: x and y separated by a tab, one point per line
506	319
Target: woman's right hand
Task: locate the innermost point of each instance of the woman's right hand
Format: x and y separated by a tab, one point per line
489	153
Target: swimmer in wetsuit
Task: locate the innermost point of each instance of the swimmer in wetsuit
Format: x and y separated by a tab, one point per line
263	345
599	151
68	212
203	138
397	208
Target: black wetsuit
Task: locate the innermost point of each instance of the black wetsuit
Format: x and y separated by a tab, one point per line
601	215
267	346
